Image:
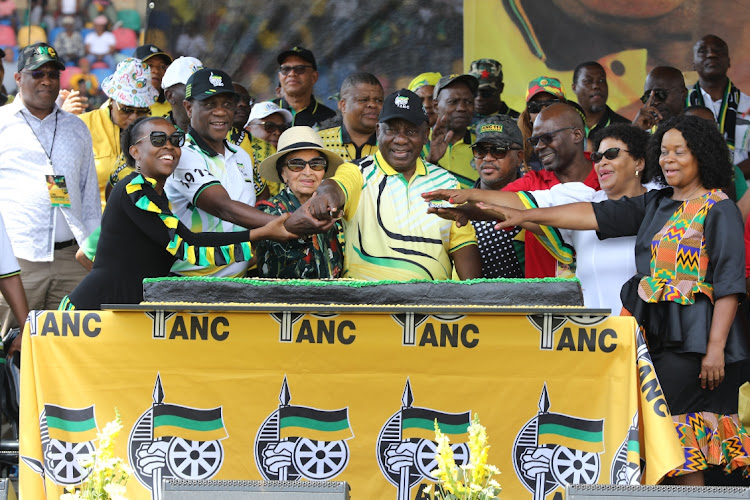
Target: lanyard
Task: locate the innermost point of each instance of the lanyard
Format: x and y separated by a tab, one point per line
54	134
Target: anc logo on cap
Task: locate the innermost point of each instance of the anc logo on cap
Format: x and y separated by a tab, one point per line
543	82
490	127
215	80
401	101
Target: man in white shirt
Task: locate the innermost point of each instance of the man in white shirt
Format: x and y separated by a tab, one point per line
100	43
48	189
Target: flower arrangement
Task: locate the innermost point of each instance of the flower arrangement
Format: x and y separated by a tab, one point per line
109	474
471	481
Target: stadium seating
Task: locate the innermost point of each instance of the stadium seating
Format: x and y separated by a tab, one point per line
7	36
125	38
28	35
53	34
130	19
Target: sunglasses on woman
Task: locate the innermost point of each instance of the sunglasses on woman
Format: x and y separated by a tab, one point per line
497	152
159	139
538	106
272	127
609	154
298	164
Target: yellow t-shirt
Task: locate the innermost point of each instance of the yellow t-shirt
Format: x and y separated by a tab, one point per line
106	138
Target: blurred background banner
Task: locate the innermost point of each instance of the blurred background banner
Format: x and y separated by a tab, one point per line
393	39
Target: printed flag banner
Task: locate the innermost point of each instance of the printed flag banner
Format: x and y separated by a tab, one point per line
188	423
336	395
69	424
576	433
420	423
311	423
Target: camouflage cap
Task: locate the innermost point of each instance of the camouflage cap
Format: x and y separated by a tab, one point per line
500	130
488	71
37	55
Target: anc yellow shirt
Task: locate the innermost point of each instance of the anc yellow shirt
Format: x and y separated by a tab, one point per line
106	139
389	234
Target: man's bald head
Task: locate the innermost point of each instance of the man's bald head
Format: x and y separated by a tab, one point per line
559	134
666	80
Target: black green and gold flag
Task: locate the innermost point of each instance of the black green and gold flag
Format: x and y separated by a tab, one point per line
634	447
420	423
72	425
311	423
188	423
572	432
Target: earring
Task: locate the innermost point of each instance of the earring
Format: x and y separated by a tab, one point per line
636	173
138	166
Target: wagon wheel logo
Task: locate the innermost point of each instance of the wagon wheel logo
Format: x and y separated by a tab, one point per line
175	441
67	439
405	448
554	449
627	463
296	442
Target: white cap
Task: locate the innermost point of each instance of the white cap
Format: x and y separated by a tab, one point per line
180	70
267	108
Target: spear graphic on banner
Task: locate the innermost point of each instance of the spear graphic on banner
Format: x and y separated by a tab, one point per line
284	398
407	398
158	398
539	487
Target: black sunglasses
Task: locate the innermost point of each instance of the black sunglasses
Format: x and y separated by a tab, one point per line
297	70
497	152
298	164
486	92
660	94
609	154
546	138
38	74
272	127
538	106
128	110
159	139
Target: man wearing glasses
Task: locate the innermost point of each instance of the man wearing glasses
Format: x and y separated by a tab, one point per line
664	95
498	155
45	220
558	140
298	73
130	96
489	72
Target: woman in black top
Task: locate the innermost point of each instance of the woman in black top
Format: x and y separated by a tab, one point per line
140	237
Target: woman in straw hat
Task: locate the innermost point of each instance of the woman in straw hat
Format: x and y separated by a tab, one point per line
301	163
130	96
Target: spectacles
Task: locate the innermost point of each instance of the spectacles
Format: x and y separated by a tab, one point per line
485	93
38	74
272	127
297	70
609	154
127	110
497	152
546	138
159	139
538	106
660	94
298	164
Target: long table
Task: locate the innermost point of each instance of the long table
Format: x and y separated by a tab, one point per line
342	393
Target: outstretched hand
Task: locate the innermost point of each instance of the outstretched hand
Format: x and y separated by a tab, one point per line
455	196
439	140
506	217
274	230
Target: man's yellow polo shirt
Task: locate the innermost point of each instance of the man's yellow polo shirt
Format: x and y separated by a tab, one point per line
337	139
389	234
105	136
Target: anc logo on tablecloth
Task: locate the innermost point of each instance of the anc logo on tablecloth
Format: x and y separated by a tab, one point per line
554	449
68	436
302	442
175	441
406	447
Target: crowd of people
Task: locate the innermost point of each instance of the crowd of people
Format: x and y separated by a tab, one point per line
440	180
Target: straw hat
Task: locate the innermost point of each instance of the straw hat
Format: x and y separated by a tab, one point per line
298	139
130	85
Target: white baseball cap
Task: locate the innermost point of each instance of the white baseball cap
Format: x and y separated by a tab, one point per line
180	70
267	108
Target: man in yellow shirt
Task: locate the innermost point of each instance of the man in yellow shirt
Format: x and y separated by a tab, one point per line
389	234
158	61
130	96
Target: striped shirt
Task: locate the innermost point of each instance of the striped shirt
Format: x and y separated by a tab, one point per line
201	167
389	234
337	139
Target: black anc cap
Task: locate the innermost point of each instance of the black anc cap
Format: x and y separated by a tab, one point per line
500	130
144	52
37	55
208	82
403	104
300	52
